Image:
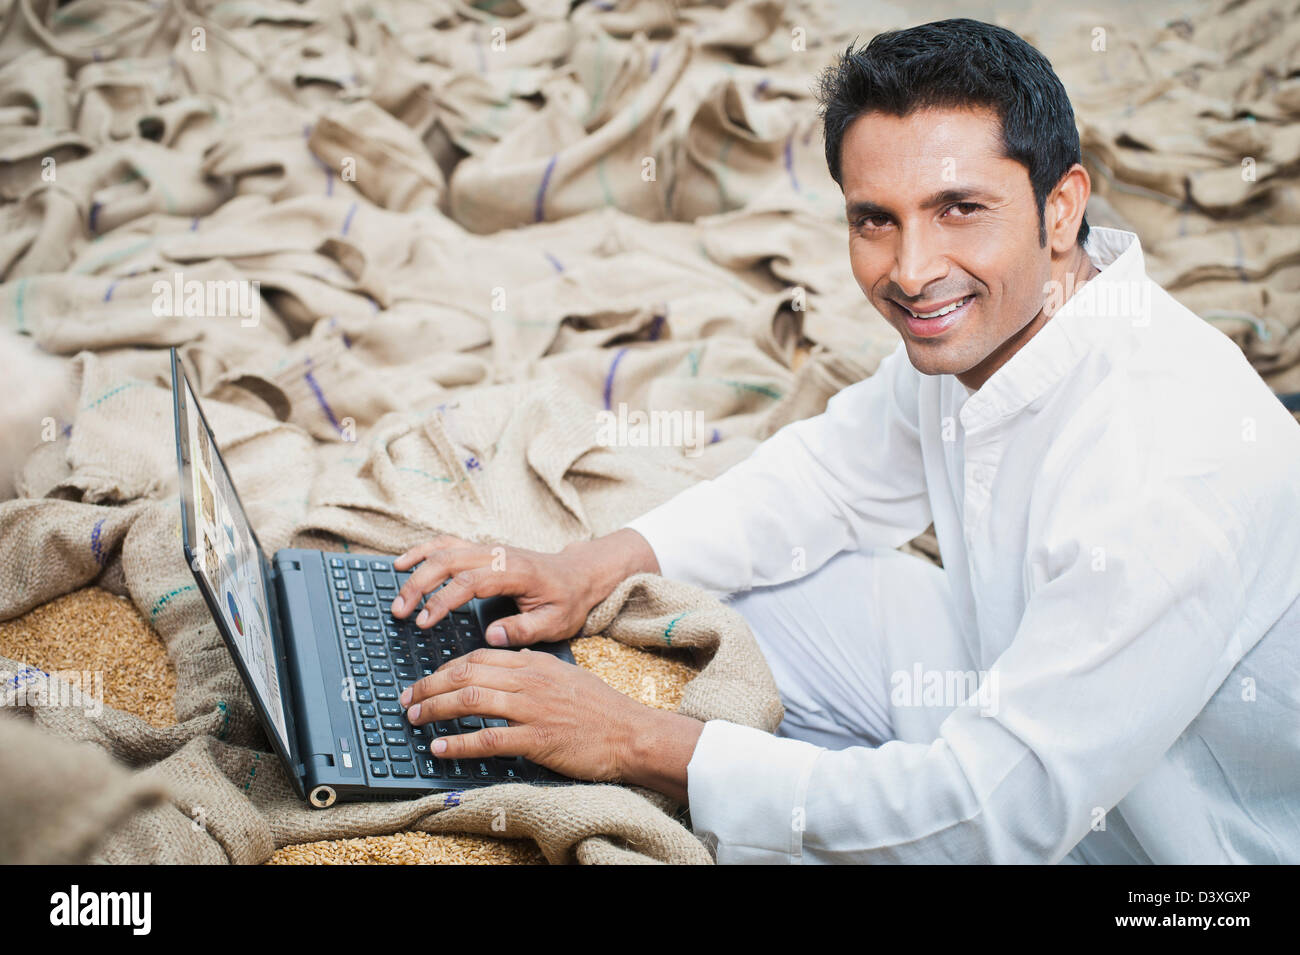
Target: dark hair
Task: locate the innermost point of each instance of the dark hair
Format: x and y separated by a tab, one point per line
959	63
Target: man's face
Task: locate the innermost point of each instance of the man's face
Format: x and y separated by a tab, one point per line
938	215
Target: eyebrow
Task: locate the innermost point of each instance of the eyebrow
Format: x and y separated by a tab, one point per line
862	208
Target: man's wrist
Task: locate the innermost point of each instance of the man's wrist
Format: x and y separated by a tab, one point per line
657	751
608	561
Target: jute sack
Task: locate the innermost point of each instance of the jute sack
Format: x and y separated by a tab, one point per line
552	165
226	797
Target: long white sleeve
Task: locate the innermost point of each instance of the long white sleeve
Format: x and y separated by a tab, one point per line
1141	603
850	477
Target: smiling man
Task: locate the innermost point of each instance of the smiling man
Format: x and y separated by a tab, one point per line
1106	669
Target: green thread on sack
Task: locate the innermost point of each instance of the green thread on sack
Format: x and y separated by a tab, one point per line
20	301
125	386
766	391
166	598
76	20
225	723
604	182
694	358
252	771
599	79
668	631
114	256
431	477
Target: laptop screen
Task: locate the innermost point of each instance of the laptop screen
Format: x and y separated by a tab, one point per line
227	558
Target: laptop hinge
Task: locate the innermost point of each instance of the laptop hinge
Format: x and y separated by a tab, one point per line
274	583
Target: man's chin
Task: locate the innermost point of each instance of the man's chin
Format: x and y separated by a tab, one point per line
935	358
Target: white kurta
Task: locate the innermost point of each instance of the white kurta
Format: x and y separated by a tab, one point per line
1118	510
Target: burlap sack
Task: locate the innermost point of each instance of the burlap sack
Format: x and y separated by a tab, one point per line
207	789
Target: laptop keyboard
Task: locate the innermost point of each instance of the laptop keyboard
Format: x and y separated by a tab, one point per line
384	656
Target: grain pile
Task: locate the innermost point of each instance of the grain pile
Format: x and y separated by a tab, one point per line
95	630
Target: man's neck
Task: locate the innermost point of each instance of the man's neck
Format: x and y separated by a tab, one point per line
1069	274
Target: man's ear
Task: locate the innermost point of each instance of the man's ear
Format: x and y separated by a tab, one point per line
1065	207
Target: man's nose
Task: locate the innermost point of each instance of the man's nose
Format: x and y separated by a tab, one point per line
919	262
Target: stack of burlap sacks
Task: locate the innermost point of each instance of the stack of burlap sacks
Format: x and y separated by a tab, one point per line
1192	138
474	227
468	242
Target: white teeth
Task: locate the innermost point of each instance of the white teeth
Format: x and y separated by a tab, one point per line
943	311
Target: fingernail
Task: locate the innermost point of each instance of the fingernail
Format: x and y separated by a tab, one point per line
397	605
439	746
423	618
413	713
406	697
496	636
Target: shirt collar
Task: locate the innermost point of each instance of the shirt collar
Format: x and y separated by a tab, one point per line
1059	345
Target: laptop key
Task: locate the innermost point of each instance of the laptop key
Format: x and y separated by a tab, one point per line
393	723
336	561
360	583
400	755
374	739
376	755
455	769
380	565
370	726
378	769
386	694
363	696
428	767
403	770
483	769
367	710
390	709
395	739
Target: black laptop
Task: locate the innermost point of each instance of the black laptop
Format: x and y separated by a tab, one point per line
323	658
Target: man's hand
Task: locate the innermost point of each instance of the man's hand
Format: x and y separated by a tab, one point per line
554	592
559	716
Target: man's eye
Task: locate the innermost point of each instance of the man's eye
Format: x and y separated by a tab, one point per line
872	222
965	208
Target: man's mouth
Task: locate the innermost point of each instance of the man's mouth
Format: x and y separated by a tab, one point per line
932	319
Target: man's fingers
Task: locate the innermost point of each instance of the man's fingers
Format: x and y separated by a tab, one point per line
523	629
483	667
423	551
436	568
493	741
460	589
472	700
